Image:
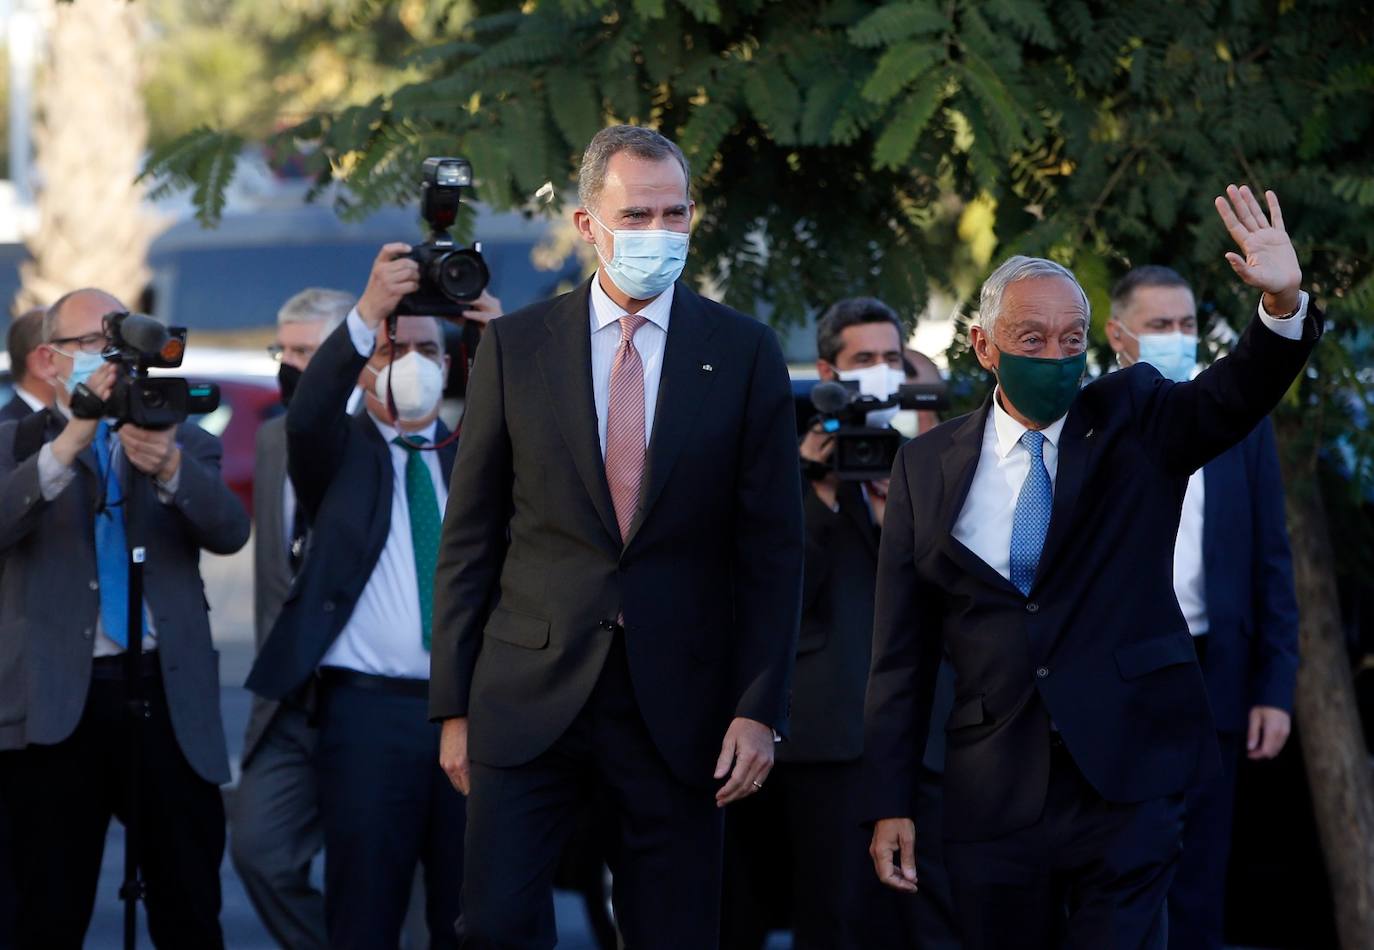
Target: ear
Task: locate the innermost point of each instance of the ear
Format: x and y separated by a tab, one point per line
1115	338
44	364
982	346
825	371
586	227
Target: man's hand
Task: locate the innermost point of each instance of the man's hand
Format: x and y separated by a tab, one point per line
895	836
79	433
817	446
484	309
453	753
1270	264
151	451
1269	728
393	276
749	745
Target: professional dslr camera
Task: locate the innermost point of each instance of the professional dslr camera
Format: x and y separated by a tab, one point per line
450	277
138	343
863	452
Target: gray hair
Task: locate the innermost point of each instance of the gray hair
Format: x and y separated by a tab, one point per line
317	304
1012	270
612	140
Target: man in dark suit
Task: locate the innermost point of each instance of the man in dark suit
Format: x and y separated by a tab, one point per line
352	638
619	577
1033	542
24	344
807	820
1233	576
275	825
63	630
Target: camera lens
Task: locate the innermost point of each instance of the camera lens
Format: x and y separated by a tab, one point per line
461	275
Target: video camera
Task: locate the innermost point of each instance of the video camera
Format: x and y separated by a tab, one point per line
863	452
450	277
138	343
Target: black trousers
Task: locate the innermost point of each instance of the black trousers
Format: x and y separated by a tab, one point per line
386	807
797	857
665	837
61	799
1089	875
1197	900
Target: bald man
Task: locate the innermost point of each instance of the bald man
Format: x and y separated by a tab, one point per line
64	626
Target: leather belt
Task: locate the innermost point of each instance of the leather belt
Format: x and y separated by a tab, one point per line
112	667
394	685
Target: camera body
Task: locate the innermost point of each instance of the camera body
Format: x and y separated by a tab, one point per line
138	343
450	277
863	452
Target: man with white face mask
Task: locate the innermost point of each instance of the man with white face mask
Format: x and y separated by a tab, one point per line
1233	576
352	640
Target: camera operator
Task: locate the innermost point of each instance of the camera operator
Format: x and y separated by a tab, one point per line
63	630
809	814
352	639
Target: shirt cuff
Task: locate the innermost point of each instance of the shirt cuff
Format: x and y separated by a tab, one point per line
53	476
364	339
1290	328
167	491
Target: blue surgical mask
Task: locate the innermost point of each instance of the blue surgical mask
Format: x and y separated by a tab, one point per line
83	365
644	263
1173	354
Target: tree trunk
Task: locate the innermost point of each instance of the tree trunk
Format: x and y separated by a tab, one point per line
90	133
1337	760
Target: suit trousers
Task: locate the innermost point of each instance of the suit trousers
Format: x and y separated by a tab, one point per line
63	796
275	831
665	839
386	807
1197	900
1088	875
9	886
796	855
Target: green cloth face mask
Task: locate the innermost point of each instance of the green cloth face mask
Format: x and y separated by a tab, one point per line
1041	389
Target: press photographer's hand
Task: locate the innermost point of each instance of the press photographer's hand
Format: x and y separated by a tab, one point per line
80	433
151	451
393	276
484	309
817	446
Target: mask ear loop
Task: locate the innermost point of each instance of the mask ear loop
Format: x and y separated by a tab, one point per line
443	443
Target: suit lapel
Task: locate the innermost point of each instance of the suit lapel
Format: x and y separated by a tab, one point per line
958	463
446	454
856	509
1075	448
682	389
565	362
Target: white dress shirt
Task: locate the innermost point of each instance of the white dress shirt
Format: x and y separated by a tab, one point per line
382	635
984	523
649	342
1189	577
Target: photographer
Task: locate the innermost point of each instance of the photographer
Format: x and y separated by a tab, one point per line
63	630
808	815
352	639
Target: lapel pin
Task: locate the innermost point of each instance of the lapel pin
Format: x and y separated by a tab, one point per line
707	368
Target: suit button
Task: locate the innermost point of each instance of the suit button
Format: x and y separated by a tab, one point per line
328	606
93	585
1032	607
1042	672
86	634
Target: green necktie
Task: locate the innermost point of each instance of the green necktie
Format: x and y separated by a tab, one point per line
424	527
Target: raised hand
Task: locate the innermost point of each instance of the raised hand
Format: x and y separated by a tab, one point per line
1270	263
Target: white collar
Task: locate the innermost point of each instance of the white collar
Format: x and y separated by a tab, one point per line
606	311
390	432
33	402
1009	431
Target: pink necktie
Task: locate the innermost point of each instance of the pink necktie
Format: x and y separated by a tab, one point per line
625	426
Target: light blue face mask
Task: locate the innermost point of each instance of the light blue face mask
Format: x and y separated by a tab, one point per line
83	365
644	263
1173	354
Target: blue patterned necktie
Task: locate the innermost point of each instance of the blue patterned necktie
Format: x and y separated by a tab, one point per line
1031	519
112	547
425	522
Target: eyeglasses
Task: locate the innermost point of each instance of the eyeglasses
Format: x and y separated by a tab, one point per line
432	351
90	343
300	353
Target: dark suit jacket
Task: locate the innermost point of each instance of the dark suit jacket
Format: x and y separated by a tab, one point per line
341	469
1099	646
49	598
532	573
271	567
14	410
1252	608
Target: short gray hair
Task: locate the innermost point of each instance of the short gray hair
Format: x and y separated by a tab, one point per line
1012	270
612	140
317	304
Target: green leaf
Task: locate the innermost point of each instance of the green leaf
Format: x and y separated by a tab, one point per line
1027	18
893	22
704	131
574	105
899	138
705	11
900	65
773	98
